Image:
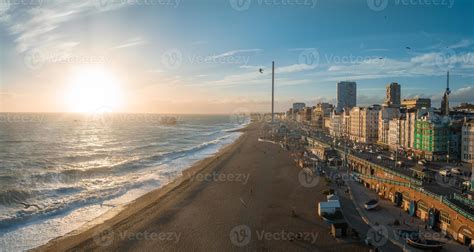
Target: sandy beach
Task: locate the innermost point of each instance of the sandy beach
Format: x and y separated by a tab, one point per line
240	199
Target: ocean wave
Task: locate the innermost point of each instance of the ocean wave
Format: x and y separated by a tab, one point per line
212	133
13	196
69	179
74	175
37	210
151	145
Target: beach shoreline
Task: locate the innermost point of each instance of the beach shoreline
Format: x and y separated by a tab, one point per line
203	214
155	194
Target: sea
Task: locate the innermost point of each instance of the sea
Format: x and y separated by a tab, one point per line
59	172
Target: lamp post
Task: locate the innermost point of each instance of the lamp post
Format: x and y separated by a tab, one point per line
273	89
447	155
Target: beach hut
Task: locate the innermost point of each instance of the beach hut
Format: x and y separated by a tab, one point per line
328	207
332	197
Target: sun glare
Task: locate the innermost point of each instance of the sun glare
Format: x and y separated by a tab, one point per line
93	89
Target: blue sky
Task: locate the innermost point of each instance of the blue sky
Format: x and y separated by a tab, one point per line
193	56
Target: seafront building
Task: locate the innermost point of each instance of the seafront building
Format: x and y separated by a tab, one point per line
411	125
363	124
416	103
321	114
336	128
304	115
385	115
432	137
393	93
467	147
396	135
298	105
421	131
346	95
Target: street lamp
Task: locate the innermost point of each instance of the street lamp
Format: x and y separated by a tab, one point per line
447	155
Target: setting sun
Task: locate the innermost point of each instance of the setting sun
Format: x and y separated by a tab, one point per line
93	89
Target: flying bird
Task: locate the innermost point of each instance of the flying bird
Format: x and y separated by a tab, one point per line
408	48
260	70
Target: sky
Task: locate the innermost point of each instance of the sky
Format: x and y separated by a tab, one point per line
203	56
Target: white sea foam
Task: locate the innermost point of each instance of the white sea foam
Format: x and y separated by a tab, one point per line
64	185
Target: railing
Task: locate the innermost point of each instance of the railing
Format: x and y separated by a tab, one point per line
425	192
416	185
457	209
465	200
368	163
388	181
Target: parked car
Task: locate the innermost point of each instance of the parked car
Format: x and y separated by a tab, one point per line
379	157
456	171
400	164
445	173
422	162
410	158
467	184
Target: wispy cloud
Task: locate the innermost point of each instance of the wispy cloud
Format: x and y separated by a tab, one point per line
235	52
463	94
36	26
131	43
299	49
295	68
462	44
377	50
199	42
252	67
428	64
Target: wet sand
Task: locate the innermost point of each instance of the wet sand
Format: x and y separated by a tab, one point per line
240	199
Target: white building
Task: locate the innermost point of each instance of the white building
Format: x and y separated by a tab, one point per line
363	125
336	128
396	135
385	115
410	117
467	141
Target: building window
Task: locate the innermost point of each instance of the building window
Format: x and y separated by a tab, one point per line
444	217
422	206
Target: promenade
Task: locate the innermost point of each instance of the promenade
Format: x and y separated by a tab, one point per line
379	223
